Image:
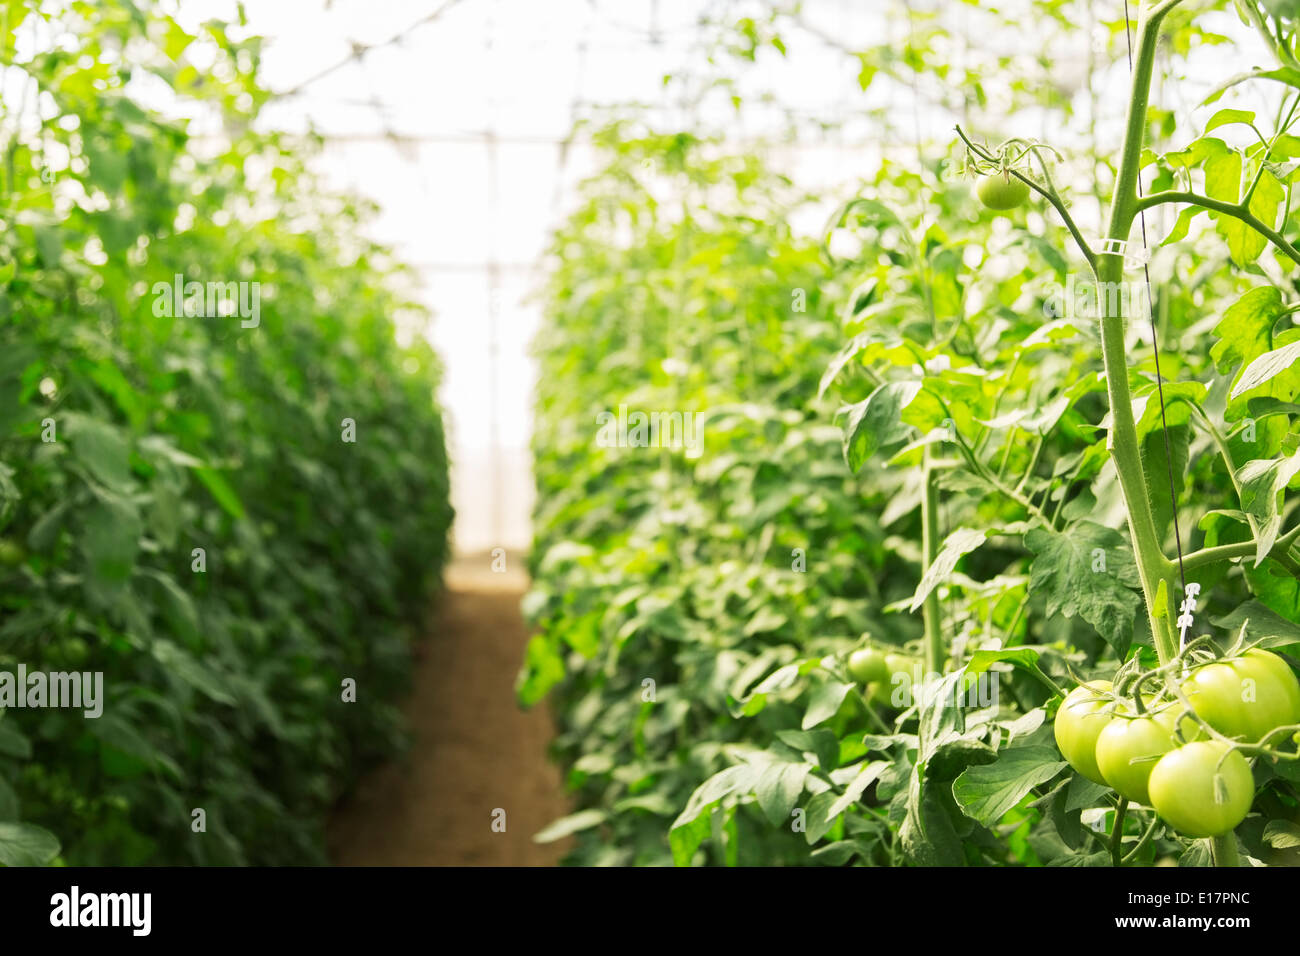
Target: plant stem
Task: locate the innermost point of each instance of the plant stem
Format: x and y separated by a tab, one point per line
1223	850
1117	833
1132	854
935	654
1240	549
1153	567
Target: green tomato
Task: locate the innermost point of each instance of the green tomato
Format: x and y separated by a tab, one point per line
904	674
1002	192
867	666
1246	697
1129	746
1078	725
74	651
11	553
1184	789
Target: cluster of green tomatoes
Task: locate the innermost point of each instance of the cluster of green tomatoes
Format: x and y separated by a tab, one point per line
888	677
1179	750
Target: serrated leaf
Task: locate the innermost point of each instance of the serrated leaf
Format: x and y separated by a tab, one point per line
1062	571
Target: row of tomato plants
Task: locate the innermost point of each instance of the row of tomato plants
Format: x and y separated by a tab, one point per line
185	508
761	656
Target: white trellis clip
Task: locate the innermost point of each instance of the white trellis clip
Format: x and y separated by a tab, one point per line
1133	259
1185	618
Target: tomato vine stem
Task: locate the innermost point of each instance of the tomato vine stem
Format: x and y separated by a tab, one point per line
1154	568
935	653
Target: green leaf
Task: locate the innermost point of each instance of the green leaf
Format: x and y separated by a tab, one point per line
101	448
1265	627
220	490
927	834
820	743
684	839
1245	331
952	757
1225	117
22	844
543	669
1084	793
161	448
178	663
1282	834
1284	74
46	529
959	543
110	541
566	826
1262	484
1022	657
824	702
876	421
1099	858
818	819
13	743
837	853
778	788
856	787
1182	224
177	606
1198	854
707	794
987	793
1265	367
1087	571
9	805
119	735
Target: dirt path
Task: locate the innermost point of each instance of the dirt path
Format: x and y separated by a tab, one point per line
473	751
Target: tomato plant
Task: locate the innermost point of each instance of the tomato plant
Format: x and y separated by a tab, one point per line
181	510
1058	474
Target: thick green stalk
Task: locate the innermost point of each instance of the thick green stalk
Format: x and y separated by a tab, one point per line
1153	567
935	653
1223	850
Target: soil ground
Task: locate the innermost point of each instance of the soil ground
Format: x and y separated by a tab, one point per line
473	749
